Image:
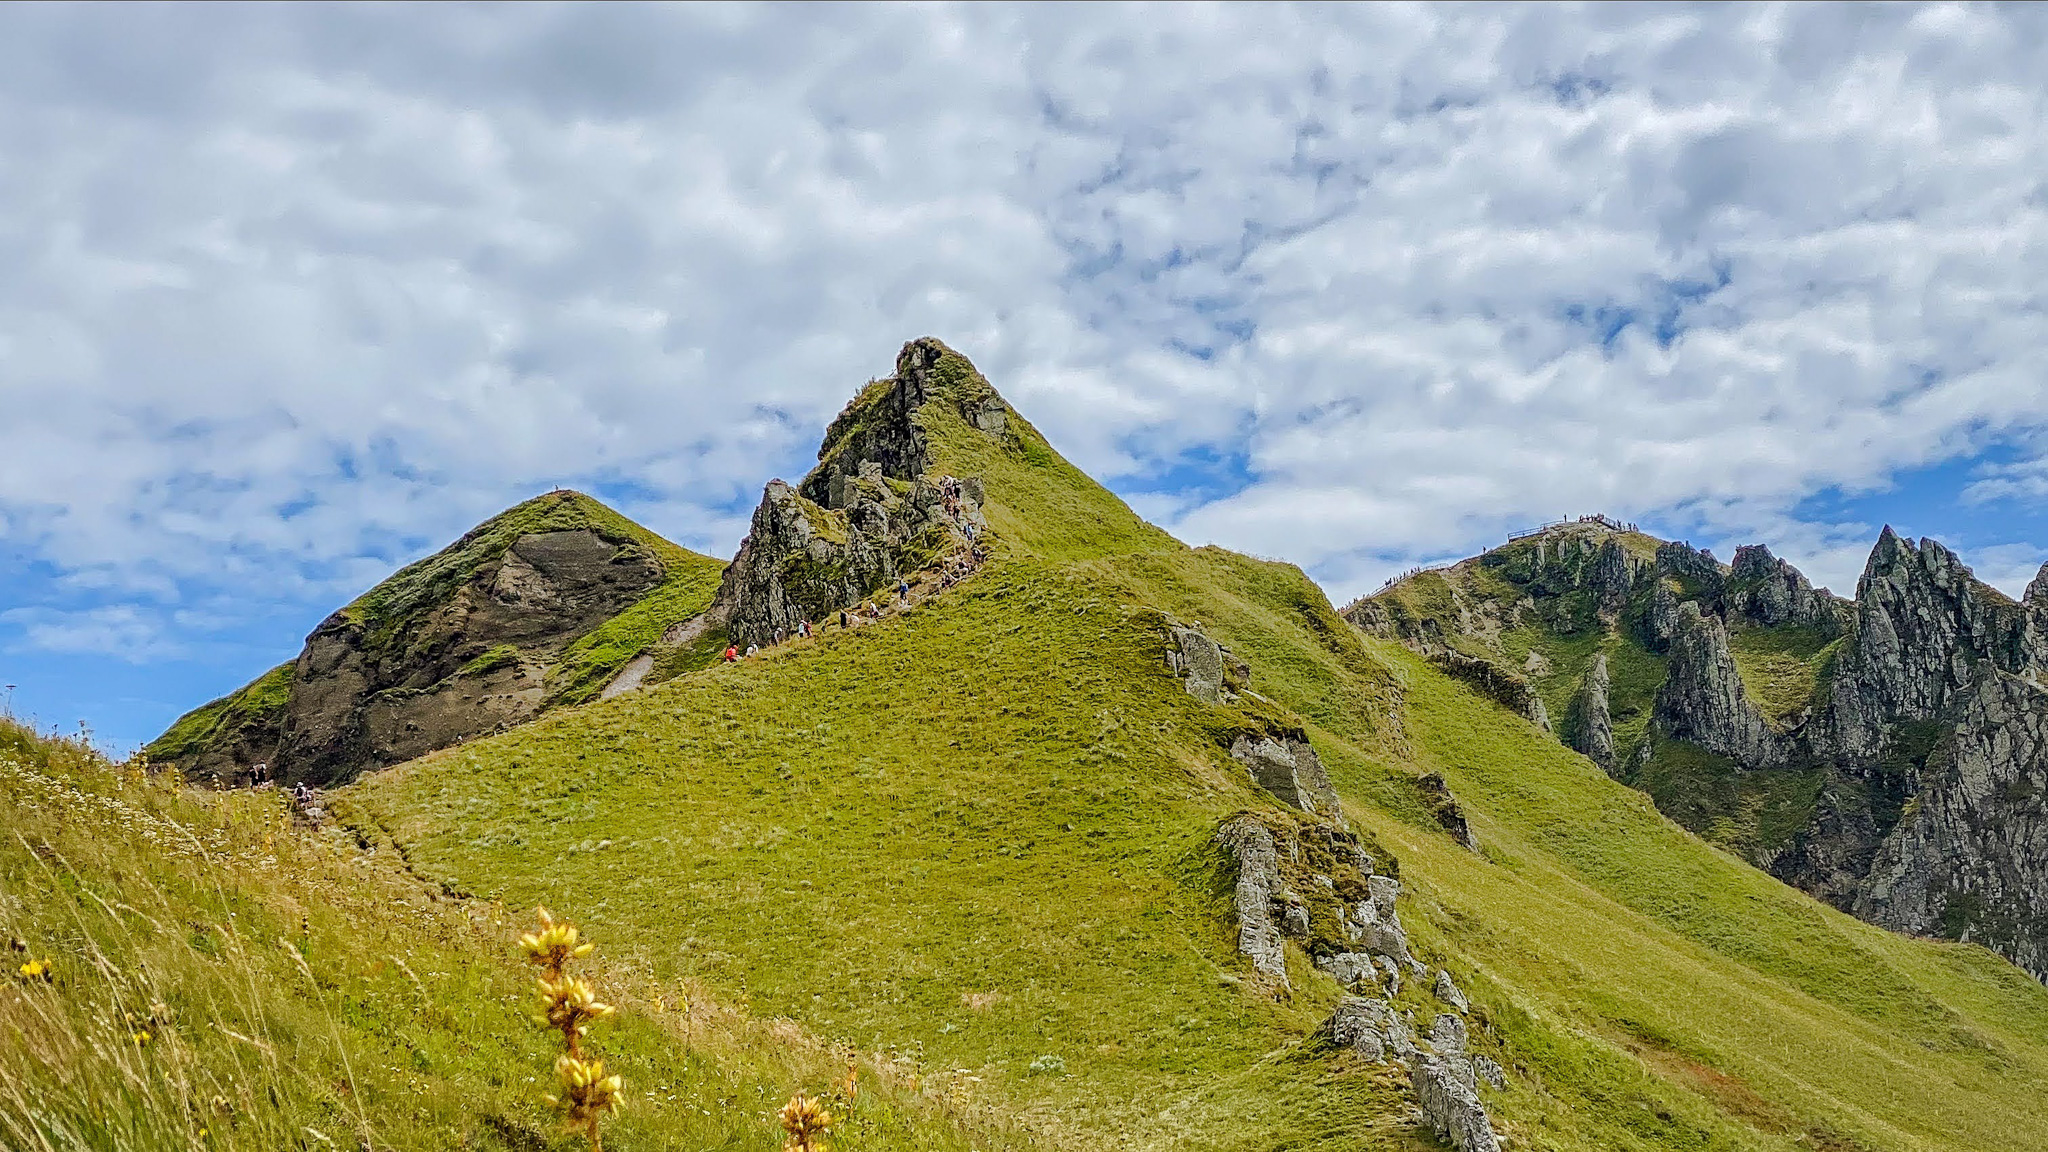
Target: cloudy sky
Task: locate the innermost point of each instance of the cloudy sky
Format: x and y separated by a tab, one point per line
291	295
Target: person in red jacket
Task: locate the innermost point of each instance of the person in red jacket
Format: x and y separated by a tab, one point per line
732	653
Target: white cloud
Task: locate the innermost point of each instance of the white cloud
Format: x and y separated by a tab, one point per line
118	630
290	294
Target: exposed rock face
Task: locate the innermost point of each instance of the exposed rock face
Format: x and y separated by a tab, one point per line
871	513
1444	1088
462	643
1289	769
1258	891
1310	880
1592	724
1698	574
1497	681
1702	698
1444	806
1971	860
1447	991
1370	1028
1921	622
1443	1074
1768	591
1207	669
1611	576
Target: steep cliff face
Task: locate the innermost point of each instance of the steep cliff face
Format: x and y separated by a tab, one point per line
1968	858
1884	753
873	511
533	608
1703	699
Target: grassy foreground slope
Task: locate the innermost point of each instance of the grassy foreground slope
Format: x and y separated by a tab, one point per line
979	835
222	978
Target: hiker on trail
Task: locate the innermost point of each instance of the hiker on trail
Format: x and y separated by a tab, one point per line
903	591
780	635
842	619
752	649
302	794
732	653
803	629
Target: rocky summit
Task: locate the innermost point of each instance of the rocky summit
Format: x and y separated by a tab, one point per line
1883	753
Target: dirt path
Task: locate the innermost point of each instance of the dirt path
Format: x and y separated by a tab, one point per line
634	674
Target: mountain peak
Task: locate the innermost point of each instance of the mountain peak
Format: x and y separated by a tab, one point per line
534	607
883	425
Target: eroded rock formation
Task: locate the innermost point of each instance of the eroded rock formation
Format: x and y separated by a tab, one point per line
1592	722
872	512
1703	698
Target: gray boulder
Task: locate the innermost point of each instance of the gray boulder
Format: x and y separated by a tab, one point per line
1350	969
1448	992
1443	1087
1370	1028
1288	768
1259	886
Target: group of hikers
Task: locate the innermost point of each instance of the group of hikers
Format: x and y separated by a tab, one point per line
302	795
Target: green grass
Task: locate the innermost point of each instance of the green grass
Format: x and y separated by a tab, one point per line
1780	666
226	980
257	704
1748	812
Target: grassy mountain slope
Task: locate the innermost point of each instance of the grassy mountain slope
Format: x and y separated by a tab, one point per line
226	979
980	833
452	627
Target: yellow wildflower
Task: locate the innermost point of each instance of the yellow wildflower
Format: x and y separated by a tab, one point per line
553	944
586	1091
807	1123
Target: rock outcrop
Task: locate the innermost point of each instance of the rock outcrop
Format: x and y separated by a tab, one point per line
1922	621
1288	768
475	638
1450	816
1311	881
1444	1074
1592	728
1766	590
1256	895
1703	699
1699	575
1208	670
872	512
1503	684
1445	1090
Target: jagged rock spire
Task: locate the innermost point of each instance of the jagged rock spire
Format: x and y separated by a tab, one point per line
850	529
